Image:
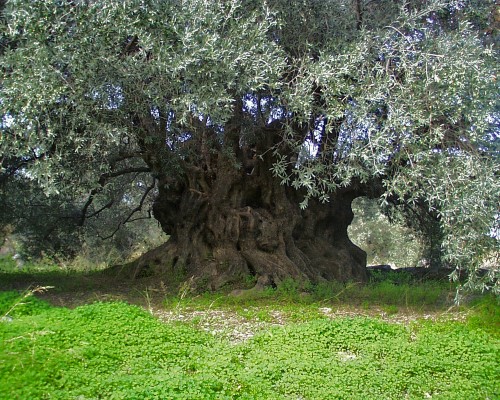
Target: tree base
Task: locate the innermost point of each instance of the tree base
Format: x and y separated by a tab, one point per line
230	268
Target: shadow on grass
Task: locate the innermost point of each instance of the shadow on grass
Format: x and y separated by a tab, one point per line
72	287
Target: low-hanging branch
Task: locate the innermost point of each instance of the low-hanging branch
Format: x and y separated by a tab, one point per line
134	211
102	181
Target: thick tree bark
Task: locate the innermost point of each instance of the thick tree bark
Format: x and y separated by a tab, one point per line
249	226
226	223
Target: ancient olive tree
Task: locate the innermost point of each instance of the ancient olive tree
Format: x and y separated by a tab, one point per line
254	124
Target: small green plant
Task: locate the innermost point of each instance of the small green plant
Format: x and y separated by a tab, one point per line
391	309
186	289
14	304
250	280
395	277
146	294
325	291
486	314
116	350
255	313
7	264
288	287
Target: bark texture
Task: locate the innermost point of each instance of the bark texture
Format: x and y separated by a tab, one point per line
228	218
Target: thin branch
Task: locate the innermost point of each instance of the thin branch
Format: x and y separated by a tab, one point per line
104	207
141	218
121	172
135	210
102	181
126	156
401	33
359	15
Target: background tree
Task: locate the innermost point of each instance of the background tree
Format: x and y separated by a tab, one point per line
387	241
54	228
259	122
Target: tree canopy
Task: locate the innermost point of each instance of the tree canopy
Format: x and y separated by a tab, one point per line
391	99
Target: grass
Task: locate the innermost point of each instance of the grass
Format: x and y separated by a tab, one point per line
114	350
426	295
399	290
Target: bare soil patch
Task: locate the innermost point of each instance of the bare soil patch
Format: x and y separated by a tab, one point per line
232	325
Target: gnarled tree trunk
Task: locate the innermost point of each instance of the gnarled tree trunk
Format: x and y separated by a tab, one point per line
226	223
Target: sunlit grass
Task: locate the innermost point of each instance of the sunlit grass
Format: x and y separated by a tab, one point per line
119	351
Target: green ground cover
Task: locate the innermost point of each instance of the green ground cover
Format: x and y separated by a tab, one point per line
114	350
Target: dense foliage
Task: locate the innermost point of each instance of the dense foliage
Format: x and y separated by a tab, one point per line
181	99
114	350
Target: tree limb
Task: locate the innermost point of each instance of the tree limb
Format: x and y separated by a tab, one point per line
135	210
102	181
